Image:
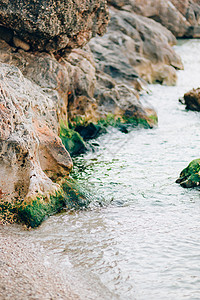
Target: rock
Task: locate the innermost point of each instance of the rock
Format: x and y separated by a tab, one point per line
86	89
6	34
135	47
21	44
180	17
52	26
190	176
122	102
90	131
71	196
29	142
192	99
72	141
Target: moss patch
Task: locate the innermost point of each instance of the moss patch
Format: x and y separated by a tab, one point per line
71	196
190	176
91	130
72	140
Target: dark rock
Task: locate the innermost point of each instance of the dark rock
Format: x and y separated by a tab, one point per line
90	131
192	99
72	141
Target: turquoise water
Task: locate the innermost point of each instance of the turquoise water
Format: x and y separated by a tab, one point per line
144	243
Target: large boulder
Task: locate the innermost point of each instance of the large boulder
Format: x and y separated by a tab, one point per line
38	91
52	25
28	139
136	46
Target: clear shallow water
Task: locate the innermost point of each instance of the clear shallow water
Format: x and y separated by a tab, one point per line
145	244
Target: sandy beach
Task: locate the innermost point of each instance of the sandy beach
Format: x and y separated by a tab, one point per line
25	274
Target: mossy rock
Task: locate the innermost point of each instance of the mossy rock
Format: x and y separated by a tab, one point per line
190	176
90	131
123	123
72	141
71	196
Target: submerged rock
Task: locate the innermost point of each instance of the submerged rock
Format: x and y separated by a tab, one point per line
190	176
192	99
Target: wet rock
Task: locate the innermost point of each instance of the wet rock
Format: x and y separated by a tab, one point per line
190	176
192	99
71	196
54	25
122	102
90	131
72	141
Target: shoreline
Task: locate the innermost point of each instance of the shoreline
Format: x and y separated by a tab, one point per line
25	273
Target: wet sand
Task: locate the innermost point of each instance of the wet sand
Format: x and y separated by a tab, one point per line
25	273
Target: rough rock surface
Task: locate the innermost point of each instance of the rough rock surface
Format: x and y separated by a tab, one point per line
182	17
136	46
52	25
192	99
37	91
29	143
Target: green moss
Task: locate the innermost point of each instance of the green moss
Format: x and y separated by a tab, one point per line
72	196
90	130
72	140
33	214
190	176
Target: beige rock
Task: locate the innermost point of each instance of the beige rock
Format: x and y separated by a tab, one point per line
21	44
22	164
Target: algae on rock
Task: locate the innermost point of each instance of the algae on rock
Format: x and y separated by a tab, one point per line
190	176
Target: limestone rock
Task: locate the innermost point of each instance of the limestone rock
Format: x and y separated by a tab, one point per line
29	144
192	99
54	25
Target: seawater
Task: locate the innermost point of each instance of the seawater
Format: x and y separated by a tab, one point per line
144	243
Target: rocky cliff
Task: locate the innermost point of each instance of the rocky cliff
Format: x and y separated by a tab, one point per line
35	85
52	83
